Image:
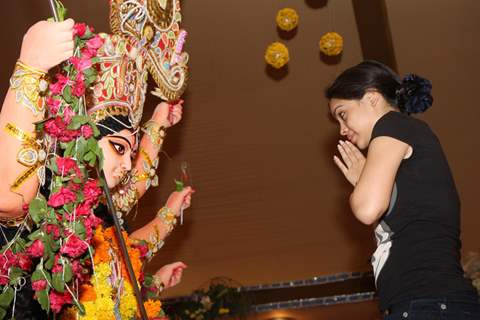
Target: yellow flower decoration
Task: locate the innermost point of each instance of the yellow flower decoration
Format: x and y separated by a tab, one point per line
277	55
222	311
331	44
287	19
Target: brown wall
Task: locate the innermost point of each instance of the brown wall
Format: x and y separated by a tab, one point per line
270	204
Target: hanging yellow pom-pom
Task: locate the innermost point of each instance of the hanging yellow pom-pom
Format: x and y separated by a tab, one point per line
331	44
287	19
277	55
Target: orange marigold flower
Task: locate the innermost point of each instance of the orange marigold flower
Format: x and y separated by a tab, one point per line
87	293
152	307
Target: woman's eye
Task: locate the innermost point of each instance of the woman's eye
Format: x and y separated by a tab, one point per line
343	115
119	148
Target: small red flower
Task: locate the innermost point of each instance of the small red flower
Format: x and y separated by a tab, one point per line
39	285
62	197
36	249
79	29
57	300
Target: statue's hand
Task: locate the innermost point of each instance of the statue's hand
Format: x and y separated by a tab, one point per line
47	44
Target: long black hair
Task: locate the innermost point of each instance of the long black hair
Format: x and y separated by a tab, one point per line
410	95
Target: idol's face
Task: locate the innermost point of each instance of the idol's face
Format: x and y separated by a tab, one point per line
356	119
117	151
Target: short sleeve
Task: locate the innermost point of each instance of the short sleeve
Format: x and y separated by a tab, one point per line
395	125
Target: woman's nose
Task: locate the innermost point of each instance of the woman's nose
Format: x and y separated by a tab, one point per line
343	130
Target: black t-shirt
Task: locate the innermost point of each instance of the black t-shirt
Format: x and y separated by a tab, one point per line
418	238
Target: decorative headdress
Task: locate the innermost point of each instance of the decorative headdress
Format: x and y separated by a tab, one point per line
146	39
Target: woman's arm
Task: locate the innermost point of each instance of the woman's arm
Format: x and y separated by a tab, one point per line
45	45
371	195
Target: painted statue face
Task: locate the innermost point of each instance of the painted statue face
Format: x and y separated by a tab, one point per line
356	119
117	150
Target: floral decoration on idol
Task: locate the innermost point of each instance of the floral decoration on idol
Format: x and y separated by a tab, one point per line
331	44
277	55
58	255
287	19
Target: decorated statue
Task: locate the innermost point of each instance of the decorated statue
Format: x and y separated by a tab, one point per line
67	135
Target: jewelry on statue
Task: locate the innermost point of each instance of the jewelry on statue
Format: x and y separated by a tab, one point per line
158	283
149	170
31	155
155	132
29	84
168	218
154	243
125	196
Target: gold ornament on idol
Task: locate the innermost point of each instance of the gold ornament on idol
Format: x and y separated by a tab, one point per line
155	132
29	84
31	155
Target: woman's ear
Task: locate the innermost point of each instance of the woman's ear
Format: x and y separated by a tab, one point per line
372	98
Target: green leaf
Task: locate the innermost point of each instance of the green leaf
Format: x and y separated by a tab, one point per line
42	297
67	271
19	245
3	313
77	122
37	209
67	94
57	282
37	234
61	11
6	297
178	185
15	273
79	230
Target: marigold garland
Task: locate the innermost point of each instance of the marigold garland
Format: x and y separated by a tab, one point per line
331	44
287	19
277	55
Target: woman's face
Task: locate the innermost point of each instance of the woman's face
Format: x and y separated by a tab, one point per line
117	151
356	119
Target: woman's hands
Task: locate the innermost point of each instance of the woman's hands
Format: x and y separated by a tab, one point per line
47	44
353	161
168	115
171	274
180	200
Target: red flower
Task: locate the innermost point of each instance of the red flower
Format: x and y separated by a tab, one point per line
39	285
24	262
83	209
79	87
86	131
57	87
91	191
55	127
95	43
36	249
57	300
53	105
65	165
53	230
69	135
143	249
74	246
79	29
81	63
67	115
62	197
